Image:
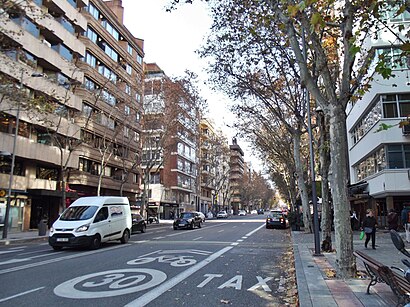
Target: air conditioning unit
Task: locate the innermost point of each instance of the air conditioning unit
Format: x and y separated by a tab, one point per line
406	130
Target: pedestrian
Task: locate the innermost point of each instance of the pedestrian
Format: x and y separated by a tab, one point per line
405	220
353	220
369	227
392	220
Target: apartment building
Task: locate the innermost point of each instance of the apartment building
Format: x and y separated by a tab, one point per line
111	109
236	167
379	159
77	72
170	149
213	168
38	53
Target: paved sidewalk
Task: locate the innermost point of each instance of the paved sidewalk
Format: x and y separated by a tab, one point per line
317	287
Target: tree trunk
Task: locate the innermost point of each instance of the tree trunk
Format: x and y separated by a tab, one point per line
339	176
324	156
307	218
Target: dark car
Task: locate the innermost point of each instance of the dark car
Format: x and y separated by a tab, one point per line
138	223
261	211
188	220
277	219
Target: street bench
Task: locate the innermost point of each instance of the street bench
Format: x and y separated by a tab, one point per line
379	272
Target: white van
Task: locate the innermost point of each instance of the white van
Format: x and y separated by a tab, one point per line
89	221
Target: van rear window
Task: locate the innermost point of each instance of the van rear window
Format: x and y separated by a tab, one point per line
78	213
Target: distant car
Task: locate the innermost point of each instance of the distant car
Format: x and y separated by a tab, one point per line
222	215
242	213
261	211
201	215
138	223
276	219
254	212
188	220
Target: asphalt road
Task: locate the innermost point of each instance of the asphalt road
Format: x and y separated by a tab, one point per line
227	262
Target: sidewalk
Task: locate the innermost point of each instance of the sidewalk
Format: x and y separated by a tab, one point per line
317	285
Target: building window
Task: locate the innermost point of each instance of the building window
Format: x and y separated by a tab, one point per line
129	69
127	89
126	132
393	57
127	110
129	49
87	110
90	59
136	136
89	166
110	29
109	98
138	97
89	84
154	179
27	25
106	72
390	13
91	35
398	156
396	105
46	173
139	59
73	3
110	51
93	11
137	117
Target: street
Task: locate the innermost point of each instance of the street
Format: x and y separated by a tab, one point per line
226	262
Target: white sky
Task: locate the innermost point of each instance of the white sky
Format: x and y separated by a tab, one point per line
170	40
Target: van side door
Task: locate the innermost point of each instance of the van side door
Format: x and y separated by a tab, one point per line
101	224
118	220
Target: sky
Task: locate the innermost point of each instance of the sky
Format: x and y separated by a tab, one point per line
170	40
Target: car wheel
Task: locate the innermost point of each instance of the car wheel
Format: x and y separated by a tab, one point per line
57	248
95	242
199	225
125	237
192	225
175	228
144	228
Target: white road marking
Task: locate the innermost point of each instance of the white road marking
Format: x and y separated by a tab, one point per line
143	241
11	251
244	237
253	231
158	238
239	240
261	283
197	239
222	230
235	243
20	294
119	282
234	282
209	277
53	260
161	289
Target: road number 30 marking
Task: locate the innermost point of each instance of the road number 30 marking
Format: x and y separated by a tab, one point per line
110	283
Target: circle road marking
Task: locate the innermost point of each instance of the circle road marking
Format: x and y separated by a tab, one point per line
115	279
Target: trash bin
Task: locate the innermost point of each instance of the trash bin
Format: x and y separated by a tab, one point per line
42	228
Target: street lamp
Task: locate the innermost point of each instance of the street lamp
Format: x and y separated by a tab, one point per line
13	158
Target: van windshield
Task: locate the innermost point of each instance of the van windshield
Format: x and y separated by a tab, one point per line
78	213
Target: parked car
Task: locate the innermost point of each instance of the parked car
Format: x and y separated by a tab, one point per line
254	212
202	216
261	211
242	213
276	219
188	220
222	215
138	223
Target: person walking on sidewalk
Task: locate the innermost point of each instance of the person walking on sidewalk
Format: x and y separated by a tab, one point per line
405	220
369	227
392	220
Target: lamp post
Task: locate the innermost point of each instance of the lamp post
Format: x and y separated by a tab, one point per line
13	158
